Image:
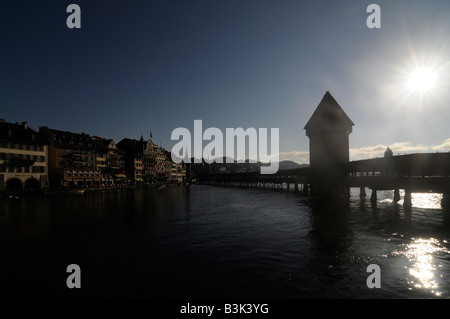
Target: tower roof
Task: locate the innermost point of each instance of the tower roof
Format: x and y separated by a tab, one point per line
328	116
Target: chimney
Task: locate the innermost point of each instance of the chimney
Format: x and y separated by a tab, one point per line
25	125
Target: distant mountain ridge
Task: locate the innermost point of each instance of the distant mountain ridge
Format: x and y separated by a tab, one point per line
234	167
285	165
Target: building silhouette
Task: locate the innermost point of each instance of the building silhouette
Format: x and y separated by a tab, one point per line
23	158
71	158
328	130
110	161
133	159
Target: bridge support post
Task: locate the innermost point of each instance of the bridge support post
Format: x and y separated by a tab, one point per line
373	197
407	199
305	189
296	187
445	201
396	195
362	192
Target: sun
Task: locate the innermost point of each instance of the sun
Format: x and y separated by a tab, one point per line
422	80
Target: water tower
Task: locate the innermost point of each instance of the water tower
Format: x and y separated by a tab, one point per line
328	130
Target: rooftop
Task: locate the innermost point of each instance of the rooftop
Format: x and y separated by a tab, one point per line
328	116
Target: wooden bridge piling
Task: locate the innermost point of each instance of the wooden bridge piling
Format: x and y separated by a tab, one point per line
373	197
445	201
407	202
362	192
396	195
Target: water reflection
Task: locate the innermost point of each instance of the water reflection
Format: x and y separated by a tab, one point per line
419	200
203	241
425	200
422	254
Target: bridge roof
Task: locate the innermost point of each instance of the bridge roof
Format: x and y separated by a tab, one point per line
409	162
328	116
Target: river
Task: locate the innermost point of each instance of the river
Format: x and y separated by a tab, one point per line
203	241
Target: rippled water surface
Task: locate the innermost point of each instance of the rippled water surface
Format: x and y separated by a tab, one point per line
212	242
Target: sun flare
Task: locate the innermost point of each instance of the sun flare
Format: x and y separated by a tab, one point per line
422	80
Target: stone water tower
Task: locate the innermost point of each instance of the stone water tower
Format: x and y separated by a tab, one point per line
328	130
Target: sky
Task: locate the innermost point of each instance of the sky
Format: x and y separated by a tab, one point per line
136	67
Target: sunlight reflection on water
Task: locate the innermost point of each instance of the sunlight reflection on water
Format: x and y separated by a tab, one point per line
421	254
419	200
424	200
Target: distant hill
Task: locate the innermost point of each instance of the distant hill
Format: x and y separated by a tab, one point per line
285	165
226	168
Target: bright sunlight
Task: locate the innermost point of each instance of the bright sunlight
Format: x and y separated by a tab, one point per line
422	80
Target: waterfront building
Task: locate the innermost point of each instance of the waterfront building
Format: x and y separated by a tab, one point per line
156	164
138	169
133	159
109	162
23	158
72	159
177	173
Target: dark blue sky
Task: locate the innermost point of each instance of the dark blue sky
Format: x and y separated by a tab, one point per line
141	66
